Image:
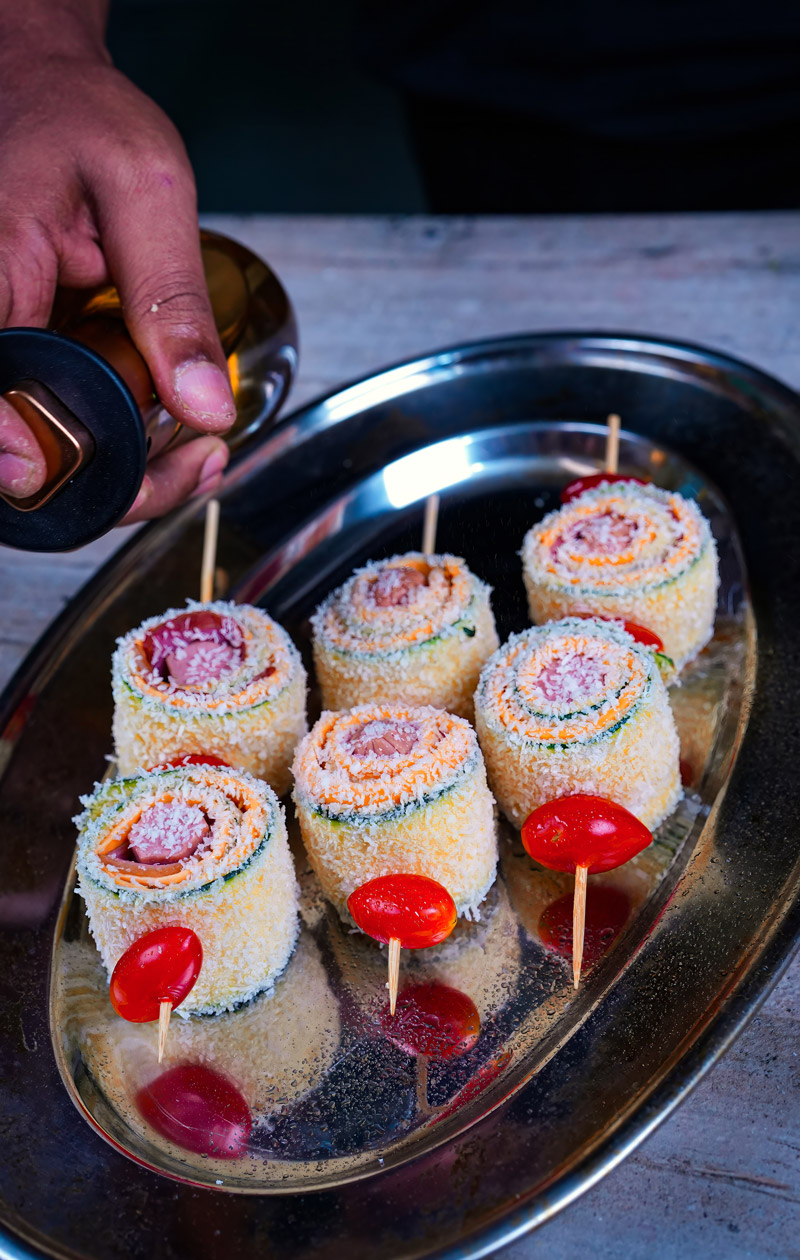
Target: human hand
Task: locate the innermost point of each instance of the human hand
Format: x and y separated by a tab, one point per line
96	187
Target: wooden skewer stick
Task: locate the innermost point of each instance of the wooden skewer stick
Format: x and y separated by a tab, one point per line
578	921
612	444
394	972
209	551
431	522
164	1012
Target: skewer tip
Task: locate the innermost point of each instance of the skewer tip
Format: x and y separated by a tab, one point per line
164	1012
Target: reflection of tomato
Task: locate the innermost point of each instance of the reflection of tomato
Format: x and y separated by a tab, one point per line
607	911
198	1109
412	909
482	1079
433	1019
161	966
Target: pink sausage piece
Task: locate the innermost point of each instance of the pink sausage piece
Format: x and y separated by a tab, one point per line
191	629
200	663
385	739
570	678
607	533
395	587
168	833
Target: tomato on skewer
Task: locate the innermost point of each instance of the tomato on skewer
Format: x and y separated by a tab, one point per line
581	484
579	834
154	975
403	911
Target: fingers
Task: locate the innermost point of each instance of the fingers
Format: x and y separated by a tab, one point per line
195	468
22	465
28	273
148	223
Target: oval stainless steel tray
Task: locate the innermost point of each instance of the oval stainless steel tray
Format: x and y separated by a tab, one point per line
558	1089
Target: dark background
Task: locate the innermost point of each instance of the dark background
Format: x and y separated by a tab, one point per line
477	105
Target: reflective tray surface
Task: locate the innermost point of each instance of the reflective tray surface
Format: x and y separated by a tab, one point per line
356	1143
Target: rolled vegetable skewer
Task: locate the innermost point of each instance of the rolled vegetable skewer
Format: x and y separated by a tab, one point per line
200	847
386	789
414	629
630	552
220	679
577	706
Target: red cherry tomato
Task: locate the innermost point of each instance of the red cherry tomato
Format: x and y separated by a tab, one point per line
161	966
412	909
191	759
607	911
585	831
433	1019
640	633
581	484
686	772
198	1109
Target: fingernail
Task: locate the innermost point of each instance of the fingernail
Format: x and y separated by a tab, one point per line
17	475
145	490
215	463
204	391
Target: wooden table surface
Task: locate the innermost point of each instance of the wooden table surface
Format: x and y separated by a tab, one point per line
722	1177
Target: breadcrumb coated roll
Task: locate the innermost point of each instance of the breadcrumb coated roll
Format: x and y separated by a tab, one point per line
413	629
198	846
221	679
382	789
577	706
631	552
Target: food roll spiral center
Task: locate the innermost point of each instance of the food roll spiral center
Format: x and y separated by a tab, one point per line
194	649
605	534
396	586
382	739
168	832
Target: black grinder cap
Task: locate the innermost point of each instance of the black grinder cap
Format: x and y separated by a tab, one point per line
94	403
